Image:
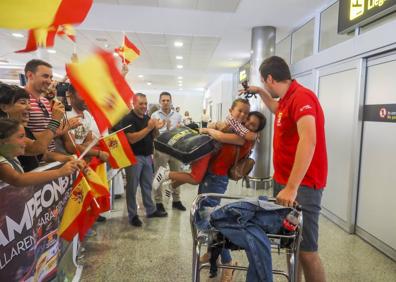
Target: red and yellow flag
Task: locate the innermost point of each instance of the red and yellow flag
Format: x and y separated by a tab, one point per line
128	51
76	208
120	152
103	88
90	196
67	30
39	37
32	14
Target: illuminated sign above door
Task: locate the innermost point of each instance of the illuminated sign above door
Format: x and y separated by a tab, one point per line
353	13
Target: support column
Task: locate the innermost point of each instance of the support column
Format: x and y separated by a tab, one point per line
263	46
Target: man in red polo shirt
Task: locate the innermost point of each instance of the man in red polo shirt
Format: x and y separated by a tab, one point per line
300	158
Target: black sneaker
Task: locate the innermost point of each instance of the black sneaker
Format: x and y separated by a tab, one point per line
178	205
118	196
160	207
158	213
101	219
135	221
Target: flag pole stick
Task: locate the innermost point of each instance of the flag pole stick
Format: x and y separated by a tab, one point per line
74	47
123	50
115	132
89	147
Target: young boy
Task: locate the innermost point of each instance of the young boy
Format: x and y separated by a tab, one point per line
239	113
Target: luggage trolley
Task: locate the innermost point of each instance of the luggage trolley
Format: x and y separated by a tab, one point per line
201	238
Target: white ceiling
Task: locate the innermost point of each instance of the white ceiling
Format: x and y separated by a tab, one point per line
216	35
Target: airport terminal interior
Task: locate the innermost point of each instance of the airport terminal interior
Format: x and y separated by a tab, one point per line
200	53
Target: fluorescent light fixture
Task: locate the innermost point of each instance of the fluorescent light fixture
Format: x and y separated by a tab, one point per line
115	54
17	35
178	44
51	51
179	77
179	57
180	81
149	83
140	75
179	66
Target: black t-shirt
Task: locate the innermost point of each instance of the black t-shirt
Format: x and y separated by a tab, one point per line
30	162
145	146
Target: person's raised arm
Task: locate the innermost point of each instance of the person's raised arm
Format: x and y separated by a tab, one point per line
229	138
306	128
270	102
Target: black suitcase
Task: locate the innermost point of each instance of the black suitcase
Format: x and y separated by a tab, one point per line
184	144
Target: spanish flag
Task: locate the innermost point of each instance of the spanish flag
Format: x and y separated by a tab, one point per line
76	208
39	37
103	88
32	14
128	51
97	179
67	30
120	152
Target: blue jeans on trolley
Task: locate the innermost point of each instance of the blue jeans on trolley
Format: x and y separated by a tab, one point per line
215	184
246	224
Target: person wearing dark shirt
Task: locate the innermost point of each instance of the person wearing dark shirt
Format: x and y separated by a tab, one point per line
140	135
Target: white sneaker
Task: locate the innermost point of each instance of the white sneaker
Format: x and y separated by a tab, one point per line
161	175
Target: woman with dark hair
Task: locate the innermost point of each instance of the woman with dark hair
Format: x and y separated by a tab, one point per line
14	104
12	145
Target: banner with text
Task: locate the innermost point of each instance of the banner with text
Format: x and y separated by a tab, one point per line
29	218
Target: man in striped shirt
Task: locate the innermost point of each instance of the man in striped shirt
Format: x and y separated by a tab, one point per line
39	77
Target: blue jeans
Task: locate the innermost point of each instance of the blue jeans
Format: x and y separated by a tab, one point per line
246	224
140	174
215	184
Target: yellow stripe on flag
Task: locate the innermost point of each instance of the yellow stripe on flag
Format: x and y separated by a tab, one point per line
74	205
116	150
27	14
129	54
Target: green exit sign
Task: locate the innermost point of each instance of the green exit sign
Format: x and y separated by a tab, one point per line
353	13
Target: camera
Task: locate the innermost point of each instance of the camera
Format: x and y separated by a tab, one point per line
61	89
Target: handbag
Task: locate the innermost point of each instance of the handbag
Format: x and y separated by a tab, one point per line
240	168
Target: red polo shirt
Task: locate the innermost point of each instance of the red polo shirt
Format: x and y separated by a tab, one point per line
298	102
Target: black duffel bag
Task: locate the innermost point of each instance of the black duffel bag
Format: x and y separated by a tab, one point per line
184	144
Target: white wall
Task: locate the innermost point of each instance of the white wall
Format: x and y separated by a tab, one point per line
220	92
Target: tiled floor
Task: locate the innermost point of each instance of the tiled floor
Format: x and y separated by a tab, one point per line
161	250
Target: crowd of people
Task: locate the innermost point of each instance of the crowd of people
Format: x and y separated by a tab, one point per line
35	128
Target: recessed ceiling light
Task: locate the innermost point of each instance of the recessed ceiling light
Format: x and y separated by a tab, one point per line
180	84
18	35
140	75
149	83
51	51
180	81
180	88
106	45
178	44
179	57
115	54
179	77
179	66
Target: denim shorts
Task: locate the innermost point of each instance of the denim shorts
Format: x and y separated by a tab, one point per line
310	200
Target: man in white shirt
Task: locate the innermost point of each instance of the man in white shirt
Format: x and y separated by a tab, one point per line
172	120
